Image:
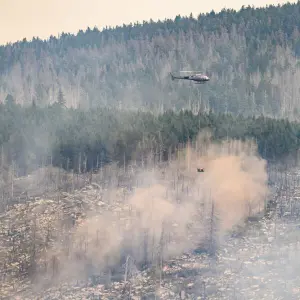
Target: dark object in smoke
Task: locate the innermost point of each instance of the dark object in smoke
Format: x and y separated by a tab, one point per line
200	170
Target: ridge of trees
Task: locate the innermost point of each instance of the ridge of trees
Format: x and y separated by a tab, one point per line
256	22
251	56
32	137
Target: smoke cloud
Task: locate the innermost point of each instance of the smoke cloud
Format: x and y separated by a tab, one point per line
173	209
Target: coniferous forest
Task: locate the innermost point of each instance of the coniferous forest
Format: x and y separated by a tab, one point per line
251	56
78	140
122	102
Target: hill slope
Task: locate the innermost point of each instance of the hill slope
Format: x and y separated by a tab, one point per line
155	232
251	56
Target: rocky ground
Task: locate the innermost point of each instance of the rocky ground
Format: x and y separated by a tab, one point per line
257	261
261	264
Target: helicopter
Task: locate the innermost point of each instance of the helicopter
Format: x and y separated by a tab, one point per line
198	78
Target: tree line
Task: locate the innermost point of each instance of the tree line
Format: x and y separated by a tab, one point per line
84	140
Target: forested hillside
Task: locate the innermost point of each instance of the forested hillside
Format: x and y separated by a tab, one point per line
251	56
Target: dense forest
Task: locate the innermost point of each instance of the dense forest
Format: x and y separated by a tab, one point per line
80	101
84	140
251	56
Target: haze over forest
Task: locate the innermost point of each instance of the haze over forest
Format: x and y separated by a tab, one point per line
251	56
100	194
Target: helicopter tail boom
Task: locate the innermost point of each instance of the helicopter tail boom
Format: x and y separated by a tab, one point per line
179	77
172	76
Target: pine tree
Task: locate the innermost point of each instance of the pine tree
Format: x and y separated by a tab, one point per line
61	98
9	99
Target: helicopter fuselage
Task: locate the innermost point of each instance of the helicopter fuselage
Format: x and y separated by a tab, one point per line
197	78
